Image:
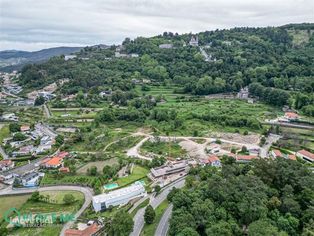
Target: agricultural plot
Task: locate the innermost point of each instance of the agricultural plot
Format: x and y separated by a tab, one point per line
166	149
12	201
99	164
296	139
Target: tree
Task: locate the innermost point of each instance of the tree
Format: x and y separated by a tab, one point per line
220	228
19	137
93	171
40	100
59	140
121	224
35	197
263	227
188	231
68	198
149	215
157	188
14	127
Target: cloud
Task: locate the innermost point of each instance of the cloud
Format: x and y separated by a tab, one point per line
33	24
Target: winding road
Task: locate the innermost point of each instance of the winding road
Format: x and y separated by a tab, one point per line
154	202
88	194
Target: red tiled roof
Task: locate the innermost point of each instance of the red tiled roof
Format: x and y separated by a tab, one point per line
64	169
24	128
246	157
292	157
291	115
55	161
5	162
307	154
277	153
62	154
90	230
213	158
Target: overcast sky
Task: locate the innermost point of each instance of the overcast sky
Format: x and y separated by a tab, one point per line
36	24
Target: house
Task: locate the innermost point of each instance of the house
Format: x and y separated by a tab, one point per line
91	230
6	165
10	117
245	158
46	95
305	155
43	148
25	128
54	162
292	157
243	93
291	116
64	170
69	57
166	46
276	153
194	41
62	154
23	151
214	161
105	93
31	179
118	197
169	169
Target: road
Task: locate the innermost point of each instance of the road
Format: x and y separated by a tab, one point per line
154	202
133	152
163	226
88	194
285	124
272	138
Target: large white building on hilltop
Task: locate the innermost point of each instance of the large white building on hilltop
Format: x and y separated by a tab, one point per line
118	197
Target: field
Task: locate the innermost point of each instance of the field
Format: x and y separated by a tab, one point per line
4	132
12	201
296	139
75	179
149	230
169	149
99	164
47	231
137	174
188	111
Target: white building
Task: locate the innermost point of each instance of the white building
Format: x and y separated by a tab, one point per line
166	46
118	197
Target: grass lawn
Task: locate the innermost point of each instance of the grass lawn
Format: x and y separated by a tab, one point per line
137	174
170	149
57	197
99	164
149	230
12	201
46	231
4	132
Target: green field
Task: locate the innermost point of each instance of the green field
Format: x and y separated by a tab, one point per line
47	231
166	149
99	164
149	230
137	174
12	201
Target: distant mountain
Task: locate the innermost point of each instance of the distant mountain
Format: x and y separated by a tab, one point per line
14	59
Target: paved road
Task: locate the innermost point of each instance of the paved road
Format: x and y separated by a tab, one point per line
310	127
272	138
163	226
88	194
154	202
133	152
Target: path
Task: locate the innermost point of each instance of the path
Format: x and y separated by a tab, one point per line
272	138
47	112
154	202
88	194
285	124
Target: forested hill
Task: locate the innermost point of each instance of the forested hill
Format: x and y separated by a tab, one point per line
278	62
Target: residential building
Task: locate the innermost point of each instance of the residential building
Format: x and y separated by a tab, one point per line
245	158
214	161
169	169
25	128
10	117
118	197
305	155
69	57
46	95
276	153
64	170
291	116
53	162
31	179
292	157
6	165
243	93
91	230
194	41
23	151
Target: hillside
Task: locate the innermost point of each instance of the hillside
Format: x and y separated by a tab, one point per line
14	59
266	59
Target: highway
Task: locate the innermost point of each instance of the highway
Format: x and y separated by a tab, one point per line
88	194
154	202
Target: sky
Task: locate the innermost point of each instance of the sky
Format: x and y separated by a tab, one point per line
36	24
